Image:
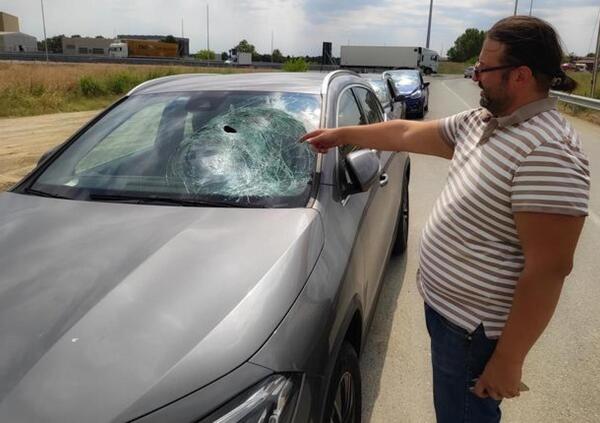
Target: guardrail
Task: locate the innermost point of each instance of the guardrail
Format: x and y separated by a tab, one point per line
577	100
188	61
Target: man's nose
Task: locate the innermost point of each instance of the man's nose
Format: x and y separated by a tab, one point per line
475	76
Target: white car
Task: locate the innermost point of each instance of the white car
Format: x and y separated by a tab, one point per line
469	72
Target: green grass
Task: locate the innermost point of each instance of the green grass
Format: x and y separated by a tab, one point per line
295	65
452	67
27	90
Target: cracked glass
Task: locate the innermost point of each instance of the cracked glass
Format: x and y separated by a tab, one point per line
229	146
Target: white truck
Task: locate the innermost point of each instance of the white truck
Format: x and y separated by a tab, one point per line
377	58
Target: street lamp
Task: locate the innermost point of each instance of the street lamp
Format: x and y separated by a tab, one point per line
516	4
429	24
44	25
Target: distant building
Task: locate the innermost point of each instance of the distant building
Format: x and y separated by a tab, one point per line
8	22
86	46
16	42
183	44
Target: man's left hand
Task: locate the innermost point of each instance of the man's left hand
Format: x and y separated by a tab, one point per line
500	379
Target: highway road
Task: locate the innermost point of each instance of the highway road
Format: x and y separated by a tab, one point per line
563	368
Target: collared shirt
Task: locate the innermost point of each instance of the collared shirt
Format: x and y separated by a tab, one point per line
470	255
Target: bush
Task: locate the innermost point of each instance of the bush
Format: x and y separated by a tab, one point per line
295	65
90	87
120	83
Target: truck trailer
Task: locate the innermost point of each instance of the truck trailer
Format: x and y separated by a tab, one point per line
142	48
378	58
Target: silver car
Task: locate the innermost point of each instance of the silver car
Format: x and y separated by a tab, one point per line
183	258
393	103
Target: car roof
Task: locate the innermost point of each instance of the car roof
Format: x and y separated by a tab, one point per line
306	82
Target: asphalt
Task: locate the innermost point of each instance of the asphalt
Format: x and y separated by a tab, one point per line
563	368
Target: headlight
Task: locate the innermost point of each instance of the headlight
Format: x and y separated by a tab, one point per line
271	401
416	94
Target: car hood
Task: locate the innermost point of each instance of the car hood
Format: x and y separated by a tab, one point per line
108	311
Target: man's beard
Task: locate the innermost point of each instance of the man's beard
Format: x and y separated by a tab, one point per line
494	104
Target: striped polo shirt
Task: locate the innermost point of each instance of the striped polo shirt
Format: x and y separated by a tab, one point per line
470	254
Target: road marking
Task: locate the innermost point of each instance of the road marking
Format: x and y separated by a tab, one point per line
595	218
456	95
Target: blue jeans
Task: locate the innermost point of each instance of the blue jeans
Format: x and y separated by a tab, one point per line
458	357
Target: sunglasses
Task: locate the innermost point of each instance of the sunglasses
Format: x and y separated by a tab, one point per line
478	70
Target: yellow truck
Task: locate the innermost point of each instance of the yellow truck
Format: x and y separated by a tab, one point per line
142	48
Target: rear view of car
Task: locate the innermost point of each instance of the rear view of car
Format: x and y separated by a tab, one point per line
469	71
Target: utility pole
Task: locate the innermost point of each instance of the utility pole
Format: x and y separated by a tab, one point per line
207	30
516	4
595	75
429	24
181	27
272	46
44	24
530	7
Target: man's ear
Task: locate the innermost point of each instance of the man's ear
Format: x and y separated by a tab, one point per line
523	74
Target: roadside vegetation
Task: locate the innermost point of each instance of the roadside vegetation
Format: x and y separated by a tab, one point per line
28	89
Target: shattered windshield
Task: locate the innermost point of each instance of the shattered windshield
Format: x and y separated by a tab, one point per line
234	147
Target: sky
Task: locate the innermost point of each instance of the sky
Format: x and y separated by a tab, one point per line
299	27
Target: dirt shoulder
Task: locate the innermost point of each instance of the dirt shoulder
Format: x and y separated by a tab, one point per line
23	140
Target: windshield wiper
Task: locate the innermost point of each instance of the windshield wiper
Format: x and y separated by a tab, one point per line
156	199
44	194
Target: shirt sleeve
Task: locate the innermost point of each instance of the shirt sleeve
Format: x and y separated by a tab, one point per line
449	127
553	178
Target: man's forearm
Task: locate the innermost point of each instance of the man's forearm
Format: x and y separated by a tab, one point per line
535	300
398	135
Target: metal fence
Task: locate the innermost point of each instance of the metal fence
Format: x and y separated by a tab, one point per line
180	61
577	100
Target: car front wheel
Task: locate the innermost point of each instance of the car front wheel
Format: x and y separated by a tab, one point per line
344	397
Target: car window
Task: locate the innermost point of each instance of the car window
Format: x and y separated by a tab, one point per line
235	147
370	104
348	114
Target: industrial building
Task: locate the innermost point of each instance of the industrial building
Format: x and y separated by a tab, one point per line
85	46
183	44
11	39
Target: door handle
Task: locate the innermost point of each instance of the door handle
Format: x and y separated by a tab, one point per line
383	179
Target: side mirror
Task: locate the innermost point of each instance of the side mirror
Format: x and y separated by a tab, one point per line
426	84
363	169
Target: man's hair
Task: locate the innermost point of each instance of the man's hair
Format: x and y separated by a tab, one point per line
533	42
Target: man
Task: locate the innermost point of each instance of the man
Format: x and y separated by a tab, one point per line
501	238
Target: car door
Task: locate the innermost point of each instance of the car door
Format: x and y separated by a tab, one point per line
384	202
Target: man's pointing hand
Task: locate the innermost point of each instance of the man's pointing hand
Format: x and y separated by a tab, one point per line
321	140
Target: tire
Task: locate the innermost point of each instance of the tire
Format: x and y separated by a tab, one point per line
421	113
401	240
427	71
344	399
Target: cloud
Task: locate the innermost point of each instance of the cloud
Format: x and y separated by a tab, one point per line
300	26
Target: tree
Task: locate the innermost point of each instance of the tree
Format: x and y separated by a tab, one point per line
277	56
467	46
206	55
591	55
54	44
224	56
99	36
169	39
245	47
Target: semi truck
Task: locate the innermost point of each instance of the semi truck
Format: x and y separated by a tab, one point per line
142	48
377	58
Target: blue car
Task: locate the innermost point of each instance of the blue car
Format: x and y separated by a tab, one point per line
410	85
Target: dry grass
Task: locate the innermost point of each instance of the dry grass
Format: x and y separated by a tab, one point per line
34	88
